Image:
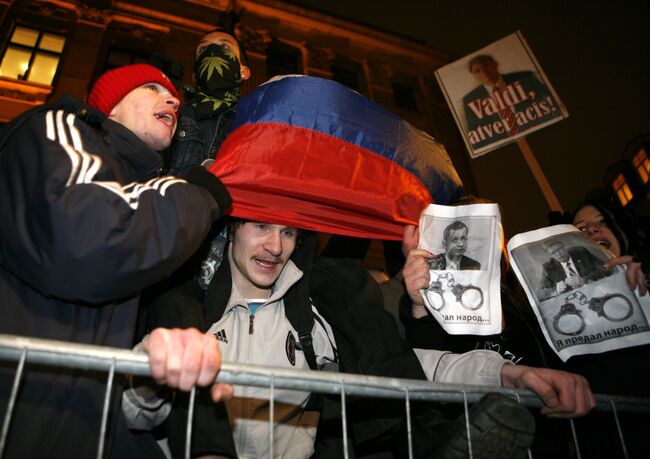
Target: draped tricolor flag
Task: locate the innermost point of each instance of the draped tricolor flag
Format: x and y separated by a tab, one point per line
311	153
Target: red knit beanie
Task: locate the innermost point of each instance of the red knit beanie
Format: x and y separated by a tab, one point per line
112	86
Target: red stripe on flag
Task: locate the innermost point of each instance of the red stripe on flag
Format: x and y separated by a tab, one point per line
303	178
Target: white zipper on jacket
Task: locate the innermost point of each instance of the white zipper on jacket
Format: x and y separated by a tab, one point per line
241	444
249	344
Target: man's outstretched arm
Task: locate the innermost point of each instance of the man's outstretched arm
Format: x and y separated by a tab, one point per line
565	395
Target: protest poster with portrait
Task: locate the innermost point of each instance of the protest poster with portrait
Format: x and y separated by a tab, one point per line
581	306
499	94
464	293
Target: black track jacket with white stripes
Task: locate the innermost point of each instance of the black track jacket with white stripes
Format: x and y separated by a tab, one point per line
85	224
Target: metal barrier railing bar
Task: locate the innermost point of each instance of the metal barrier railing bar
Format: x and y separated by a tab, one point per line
469	436
407	400
618	428
188	428
26	350
107	401
12	399
575	439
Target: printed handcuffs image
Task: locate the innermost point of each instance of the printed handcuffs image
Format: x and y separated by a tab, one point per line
596	304
568	309
469	296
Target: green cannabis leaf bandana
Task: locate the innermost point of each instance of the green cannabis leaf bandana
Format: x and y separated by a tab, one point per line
218	73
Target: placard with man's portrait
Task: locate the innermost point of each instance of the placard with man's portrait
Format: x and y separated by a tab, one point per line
499	94
582	306
465	242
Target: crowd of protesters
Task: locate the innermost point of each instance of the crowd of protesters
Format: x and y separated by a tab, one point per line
91	225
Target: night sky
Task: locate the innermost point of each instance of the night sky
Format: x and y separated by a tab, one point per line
595	53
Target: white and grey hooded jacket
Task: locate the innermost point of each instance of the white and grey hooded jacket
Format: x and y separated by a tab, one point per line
268	338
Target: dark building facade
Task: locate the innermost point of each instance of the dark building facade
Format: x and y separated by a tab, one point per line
625	186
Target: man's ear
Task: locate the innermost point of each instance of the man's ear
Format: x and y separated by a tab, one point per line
113	112
245	73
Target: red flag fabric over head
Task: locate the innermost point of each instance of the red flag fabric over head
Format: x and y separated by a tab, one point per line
311	153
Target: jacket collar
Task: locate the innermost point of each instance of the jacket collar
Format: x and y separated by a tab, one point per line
141	161
289	276
139	158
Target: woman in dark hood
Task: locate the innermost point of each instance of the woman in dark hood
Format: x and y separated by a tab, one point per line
618	234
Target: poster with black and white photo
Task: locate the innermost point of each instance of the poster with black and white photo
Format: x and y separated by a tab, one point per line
582	307
463	294
499	94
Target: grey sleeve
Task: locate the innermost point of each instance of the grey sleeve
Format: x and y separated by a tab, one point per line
144	413
479	367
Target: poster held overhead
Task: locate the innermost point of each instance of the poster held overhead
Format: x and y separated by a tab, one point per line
499	94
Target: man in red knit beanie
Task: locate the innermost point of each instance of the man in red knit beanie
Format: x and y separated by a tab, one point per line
125	95
87	224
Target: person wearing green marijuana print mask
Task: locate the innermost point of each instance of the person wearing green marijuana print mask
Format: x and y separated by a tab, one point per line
205	121
209	108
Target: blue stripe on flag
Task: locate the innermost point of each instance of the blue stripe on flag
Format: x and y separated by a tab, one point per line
330	108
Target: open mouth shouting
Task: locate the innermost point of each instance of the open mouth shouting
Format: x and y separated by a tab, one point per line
267	265
604	242
168	117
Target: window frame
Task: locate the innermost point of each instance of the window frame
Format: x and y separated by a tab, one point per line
136	56
278	47
345	71
641	164
34	51
399	89
622	190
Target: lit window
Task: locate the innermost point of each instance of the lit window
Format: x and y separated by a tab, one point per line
622	190
32	55
642	164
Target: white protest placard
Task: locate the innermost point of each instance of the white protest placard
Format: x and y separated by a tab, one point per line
464	291
581	306
499	94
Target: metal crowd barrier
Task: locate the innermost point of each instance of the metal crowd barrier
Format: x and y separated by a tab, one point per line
112	360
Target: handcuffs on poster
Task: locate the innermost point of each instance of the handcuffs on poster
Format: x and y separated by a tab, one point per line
469	296
596	304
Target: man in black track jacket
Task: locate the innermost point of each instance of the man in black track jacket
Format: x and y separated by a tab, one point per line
87	224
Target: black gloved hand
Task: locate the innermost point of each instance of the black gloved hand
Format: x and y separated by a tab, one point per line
198	175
